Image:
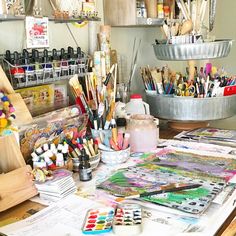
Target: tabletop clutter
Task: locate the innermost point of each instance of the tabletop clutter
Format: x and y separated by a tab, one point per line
70	145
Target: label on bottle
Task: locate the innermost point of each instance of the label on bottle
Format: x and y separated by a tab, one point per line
85	174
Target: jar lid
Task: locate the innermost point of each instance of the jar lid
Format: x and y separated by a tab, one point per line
135	96
121	122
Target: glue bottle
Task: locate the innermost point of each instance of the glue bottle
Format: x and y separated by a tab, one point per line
85	171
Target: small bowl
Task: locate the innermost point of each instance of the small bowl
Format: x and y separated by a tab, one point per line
115	157
94	161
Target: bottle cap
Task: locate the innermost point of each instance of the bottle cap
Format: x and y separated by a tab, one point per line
135	96
121	122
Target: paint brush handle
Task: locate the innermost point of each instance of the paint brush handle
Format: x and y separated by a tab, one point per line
176	189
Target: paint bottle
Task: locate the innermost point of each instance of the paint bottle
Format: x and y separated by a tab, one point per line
160	10
85	171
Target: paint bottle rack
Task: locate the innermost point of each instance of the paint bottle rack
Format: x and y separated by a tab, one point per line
33	74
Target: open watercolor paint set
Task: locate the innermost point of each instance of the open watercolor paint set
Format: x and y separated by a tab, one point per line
124	220
128	220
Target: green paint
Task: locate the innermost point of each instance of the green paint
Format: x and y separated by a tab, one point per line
179	197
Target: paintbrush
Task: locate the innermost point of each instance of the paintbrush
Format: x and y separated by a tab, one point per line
175	189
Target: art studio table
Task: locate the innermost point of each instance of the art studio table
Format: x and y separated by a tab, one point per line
224	223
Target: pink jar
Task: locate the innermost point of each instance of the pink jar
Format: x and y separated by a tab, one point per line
144	133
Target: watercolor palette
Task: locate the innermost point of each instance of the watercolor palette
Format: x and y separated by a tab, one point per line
128	220
98	221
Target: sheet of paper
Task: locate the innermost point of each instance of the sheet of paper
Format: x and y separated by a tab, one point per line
69	213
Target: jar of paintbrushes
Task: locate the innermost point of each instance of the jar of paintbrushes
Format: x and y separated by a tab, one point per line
113	144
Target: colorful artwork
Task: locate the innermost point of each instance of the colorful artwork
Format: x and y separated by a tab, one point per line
171	169
37	32
213	133
192	165
37	96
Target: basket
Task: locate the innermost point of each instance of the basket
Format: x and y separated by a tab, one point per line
115	157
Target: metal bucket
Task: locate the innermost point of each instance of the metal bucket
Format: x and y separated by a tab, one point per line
191	109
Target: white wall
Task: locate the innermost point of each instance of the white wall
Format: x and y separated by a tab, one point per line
225	29
12	37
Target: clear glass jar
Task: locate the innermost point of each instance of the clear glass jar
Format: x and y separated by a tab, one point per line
144	133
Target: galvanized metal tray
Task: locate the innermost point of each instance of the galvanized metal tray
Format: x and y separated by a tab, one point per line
196	51
191	109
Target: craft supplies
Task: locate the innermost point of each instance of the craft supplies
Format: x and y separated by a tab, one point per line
85	171
171	170
98	221
128	220
205	82
136	105
151	6
143	133
160	9
35	67
50	156
141	9
55	185
175	189
7	114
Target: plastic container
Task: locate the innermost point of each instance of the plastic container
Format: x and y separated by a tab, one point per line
137	106
143	132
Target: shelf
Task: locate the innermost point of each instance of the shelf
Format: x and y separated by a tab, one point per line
144	22
5	18
194	51
11	18
71	20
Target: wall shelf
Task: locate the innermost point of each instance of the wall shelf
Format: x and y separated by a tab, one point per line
6	18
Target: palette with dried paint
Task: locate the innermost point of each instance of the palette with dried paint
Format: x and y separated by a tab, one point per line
128	220
98	221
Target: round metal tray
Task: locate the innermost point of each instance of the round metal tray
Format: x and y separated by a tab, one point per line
191	109
194	51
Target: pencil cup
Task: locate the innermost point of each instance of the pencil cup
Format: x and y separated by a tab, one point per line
104	134
115	157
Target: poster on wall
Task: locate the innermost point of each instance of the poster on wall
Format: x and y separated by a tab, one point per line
37	32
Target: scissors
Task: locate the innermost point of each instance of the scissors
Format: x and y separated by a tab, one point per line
185	89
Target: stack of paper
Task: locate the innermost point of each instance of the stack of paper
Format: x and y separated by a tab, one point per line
59	187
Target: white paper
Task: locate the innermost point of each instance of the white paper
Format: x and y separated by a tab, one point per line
69	213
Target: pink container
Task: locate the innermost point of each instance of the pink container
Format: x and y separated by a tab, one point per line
143	132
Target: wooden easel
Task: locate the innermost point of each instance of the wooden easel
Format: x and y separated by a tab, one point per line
16	183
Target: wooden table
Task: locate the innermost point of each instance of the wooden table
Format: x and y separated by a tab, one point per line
28	208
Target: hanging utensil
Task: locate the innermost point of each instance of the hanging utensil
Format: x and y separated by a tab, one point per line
212	14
